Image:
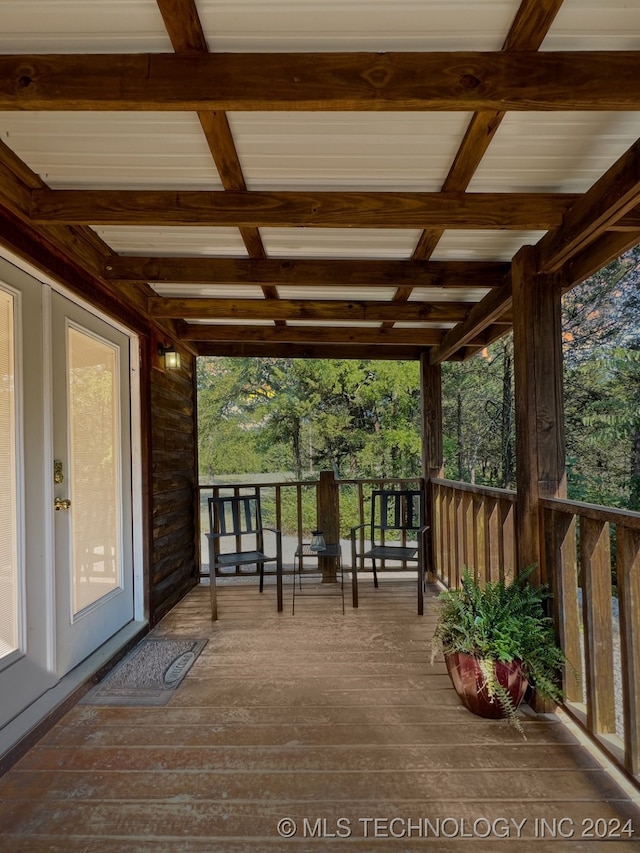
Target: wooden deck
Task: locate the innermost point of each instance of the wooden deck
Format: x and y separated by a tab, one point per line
338	723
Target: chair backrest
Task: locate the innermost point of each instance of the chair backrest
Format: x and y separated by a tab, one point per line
396	509
235	515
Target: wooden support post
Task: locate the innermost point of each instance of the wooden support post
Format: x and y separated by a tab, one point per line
432	455
328	515
537	341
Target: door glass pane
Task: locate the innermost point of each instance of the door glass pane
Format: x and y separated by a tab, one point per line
9	578
94	467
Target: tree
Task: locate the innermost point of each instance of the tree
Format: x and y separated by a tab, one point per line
601	333
478	417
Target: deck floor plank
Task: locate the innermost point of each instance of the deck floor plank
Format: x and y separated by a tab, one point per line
320	718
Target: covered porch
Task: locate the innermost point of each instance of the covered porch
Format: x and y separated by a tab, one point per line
300	732
277	198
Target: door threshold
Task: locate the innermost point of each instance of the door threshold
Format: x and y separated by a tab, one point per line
25	729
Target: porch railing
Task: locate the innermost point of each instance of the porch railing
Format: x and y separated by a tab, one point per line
594	552
473	526
295	507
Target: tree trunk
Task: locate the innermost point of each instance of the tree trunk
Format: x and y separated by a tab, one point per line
297	448
459	437
507	418
634	478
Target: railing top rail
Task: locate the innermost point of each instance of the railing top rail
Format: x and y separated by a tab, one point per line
375	480
484	491
266	484
625	517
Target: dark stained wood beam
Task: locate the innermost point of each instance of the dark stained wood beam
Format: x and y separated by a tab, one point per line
48	253
512	211
522	80
600	253
308	309
303	272
80	245
484	314
630	222
311	334
530	25
611	197
257	349
184	28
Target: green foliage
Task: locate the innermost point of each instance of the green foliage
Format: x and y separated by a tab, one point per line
479	419
502	622
362	419
601	329
357	418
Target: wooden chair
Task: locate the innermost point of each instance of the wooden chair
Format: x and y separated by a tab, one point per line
397	512
239	518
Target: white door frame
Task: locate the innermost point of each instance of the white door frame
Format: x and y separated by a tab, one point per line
36	708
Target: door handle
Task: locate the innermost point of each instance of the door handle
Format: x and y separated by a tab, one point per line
62	503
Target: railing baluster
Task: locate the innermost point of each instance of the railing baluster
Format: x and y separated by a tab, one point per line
561	553
479	536
492	521
595	564
508	538
628	554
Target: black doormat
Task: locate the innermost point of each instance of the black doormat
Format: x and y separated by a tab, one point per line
148	675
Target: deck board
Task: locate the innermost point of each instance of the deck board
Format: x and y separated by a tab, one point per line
316	717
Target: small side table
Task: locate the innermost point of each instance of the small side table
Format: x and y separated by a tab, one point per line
304	552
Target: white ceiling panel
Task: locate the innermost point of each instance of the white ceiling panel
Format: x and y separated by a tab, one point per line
554	152
423	325
211	291
595	25
339	292
374	151
177	240
449	294
232	322
335	25
483	245
335	324
115	150
82	26
339	242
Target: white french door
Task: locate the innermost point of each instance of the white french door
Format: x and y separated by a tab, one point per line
66	574
92	495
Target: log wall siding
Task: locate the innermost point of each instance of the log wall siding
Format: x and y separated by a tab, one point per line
173	483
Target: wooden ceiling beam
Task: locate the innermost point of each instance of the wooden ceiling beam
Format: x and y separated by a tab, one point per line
600	253
306	334
258	349
530	25
512	211
615	194
182	22
510	80
484	314
299	272
308	309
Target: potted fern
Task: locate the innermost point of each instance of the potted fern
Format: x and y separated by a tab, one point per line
497	641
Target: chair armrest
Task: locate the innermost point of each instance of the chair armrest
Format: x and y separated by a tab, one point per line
358	527
272	530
